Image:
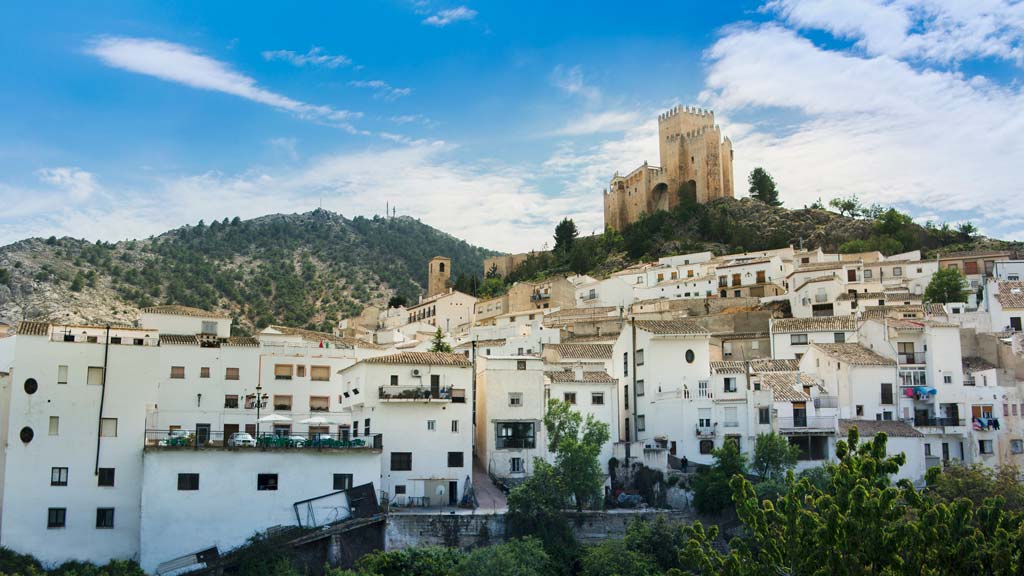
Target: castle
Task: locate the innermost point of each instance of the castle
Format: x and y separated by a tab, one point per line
695	161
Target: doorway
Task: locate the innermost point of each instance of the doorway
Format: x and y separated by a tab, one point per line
453	493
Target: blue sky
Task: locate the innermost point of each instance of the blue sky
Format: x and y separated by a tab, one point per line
492	121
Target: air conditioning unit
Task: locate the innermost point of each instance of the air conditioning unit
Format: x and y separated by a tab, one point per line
416	373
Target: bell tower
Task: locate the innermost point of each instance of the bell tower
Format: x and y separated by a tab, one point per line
438	275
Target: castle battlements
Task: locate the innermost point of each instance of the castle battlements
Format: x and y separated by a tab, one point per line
692	133
688	110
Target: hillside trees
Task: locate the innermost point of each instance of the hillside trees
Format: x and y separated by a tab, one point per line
947	285
763	187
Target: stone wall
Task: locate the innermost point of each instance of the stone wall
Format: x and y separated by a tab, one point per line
470	530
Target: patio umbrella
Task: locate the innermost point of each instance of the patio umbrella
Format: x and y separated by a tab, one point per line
274	418
316	421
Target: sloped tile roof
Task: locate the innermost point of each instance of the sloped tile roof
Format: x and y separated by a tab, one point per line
582	351
815	324
735	263
819	266
176	310
314	336
241	341
591	338
866	428
783	385
592	377
479	343
671	327
854	354
422	358
28	328
770	365
1011	294
817	279
907	296
972	254
179	339
728	367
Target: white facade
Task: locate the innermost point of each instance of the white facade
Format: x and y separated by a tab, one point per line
511	403
592	393
792	337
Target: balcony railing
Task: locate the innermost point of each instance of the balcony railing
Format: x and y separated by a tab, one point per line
911	358
503	443
421	393
826	402
206	439
803	424
937	421
706	431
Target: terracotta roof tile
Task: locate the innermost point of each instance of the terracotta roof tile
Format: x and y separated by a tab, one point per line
728	367
1011	294
179	339
770	365
819	266
855	354
314	336
783	385
28	328
241	341
593	377
491	342
671	327
422	358
582	351
815	324
904	296
736	263
176	310
816	279
867	428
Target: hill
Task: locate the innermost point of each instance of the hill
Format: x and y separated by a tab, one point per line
304	270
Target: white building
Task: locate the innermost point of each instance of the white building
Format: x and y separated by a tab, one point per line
1006	304
791	337
511	403
451	311
590	392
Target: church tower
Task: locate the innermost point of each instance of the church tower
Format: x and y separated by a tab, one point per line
438	275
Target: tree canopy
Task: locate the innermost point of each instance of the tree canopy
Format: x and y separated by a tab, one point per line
947	285
762	187
565	236
438	344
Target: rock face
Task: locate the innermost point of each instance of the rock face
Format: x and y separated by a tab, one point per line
305	270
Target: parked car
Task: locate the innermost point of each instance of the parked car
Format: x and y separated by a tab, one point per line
297	441
176	438
241	439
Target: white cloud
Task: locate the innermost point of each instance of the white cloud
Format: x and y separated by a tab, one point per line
184	65
452	15
288	147
876	126
595	123
942	31
315	57
381	89
78	183
570	80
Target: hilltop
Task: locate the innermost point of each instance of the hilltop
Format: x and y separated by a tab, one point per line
304	270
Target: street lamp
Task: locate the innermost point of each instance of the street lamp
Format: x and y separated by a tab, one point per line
260	397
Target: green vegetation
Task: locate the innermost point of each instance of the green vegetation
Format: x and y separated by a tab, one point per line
762	187
565	236
14	564
947	285
711	490
437	344
773	456
576	444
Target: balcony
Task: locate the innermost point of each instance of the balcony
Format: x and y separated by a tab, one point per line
537	296
806	425
937	421
826	402
205	439
514	443
706	431
916	358
421	394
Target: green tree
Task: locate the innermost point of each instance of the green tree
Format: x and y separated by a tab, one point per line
397	301
849	206
492	286
519	557
773	456
978	483
947	285
711	490
576	444
5	276
78	282
616	558
438	344
535	510
419	561
492	272
565	236
762	187
967	231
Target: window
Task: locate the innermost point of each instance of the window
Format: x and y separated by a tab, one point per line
62	374
455	459
985	446
320	373
231	374
860	409
54	425
204	372
641	423
300	371
897	271
230	401
342	481
886	393
399	489
520	364
105	477
455	425
1017	446
839	337
104	517
515	465
188	482
947	379
108	427
177	372
570	398
640	357
730	417
282	402
639	387
209	327
706	446
798	339
690	357
401	461
266	482
319	403
625	363
730	384
597	398
95	376
764	415
514	435
394	380
56	517
726	347
755	345
515	399
58	476
867	274
282	371
431	425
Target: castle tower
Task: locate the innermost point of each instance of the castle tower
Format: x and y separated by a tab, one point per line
438	275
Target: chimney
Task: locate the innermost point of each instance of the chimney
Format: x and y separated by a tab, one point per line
578	373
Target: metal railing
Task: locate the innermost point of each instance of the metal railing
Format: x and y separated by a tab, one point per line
501	443
826	402
911	357
937	421
390	392
199	439
805	423
706	431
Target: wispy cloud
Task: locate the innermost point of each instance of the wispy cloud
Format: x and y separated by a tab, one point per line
595	123
184	65
288	147
315	57
381	89
570	80
78	183
450	16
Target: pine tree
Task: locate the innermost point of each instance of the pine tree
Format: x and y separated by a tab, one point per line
438	344
763	188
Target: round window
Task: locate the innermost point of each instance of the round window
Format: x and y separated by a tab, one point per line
31	386
689	356
27	434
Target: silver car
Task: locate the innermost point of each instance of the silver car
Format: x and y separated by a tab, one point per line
241	439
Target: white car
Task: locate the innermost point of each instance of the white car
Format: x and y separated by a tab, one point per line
241	439
297	441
